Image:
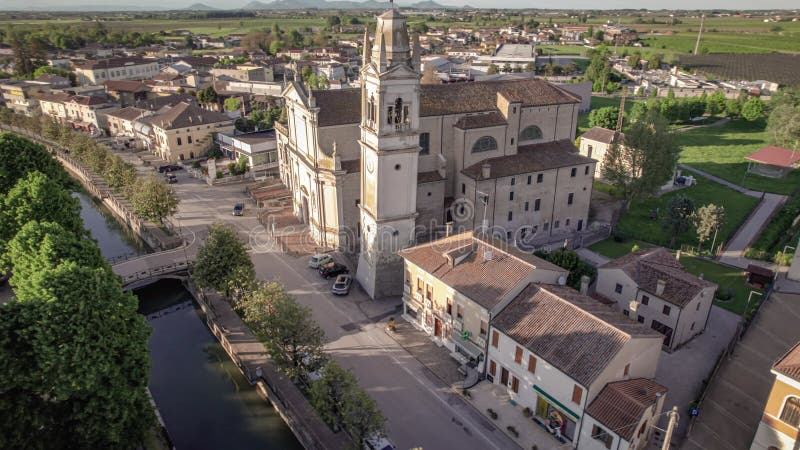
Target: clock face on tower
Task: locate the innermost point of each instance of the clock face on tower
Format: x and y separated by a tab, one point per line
370	166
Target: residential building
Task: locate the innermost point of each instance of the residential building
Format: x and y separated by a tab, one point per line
54	105
579	366
779	428
456	285
651	287
84	112
55	81
127	92
594	144
121	121
243	73
183	131
22	97
102	70
408	153
259	148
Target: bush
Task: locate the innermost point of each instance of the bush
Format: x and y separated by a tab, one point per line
196	164
778	232
569	260
724	294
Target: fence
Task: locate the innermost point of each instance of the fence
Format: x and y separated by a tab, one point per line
155	272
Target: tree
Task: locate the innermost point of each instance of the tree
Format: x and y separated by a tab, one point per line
222	262
753	109
715	103
329	394
362	418
41	246
679	218
638	111
605	117
656	59
20	156
492	69
635	59
207	95
37	198
733	108
506	68
707	221
154	200
569	260
783	123
644	159
75	363
233	104
332	21
55	71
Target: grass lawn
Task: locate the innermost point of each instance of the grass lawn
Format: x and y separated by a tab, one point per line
725	277
636	223
720	151
613	249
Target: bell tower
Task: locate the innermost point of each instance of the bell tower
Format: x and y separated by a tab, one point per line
390	79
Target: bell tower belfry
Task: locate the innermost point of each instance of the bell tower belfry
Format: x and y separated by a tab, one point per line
390	79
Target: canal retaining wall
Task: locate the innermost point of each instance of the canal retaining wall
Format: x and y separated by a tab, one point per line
249	354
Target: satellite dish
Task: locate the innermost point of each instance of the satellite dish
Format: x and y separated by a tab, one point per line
562	280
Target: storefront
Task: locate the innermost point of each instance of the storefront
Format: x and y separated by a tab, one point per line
557	418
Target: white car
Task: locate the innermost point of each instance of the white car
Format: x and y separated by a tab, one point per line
319	260
378	443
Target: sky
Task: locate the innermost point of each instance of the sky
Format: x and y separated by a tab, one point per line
577	4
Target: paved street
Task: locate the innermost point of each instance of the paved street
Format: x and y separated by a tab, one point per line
421	410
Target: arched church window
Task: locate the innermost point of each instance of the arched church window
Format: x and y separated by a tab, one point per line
790	413
484	144
530	133
398	110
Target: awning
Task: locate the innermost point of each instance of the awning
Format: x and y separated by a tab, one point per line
557	404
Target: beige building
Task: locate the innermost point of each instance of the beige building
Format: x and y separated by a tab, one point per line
376	169
651	287
54	106
244	73
102	70
22	97
596	142
779	428
583	369
121	121
455	286
183	131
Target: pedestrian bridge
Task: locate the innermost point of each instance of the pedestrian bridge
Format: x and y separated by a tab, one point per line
134	276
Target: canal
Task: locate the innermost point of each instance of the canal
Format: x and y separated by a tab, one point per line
203	399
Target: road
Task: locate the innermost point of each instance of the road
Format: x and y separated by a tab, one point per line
420	410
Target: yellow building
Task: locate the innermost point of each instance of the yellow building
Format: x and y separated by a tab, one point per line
779	425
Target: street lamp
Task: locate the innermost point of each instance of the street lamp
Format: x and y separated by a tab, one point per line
784	251
747	305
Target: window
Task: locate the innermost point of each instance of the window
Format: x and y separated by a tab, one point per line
459	312
463	188
790	413
511	195
698	307
510	216
513	181
546	226
570	198
602	436
645	299
188	139
666	310
537	204
429	292
449	307
420	285
691	328
577	393
484	144
626	313
492	368
529	179
526	206
531	364
484	327
627	370
530	133
179	141
586	170
557	224
425	143
566	223
514	384
640	319
618	288
539	178
518	355
495	338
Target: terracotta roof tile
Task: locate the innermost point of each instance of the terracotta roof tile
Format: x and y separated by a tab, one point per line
775	156
575	333
647	266
789	364
125	86
129	113
604	135
184	115
530	158
111	63
485	282
621	404
490	119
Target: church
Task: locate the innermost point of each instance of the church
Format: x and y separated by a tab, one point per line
377	169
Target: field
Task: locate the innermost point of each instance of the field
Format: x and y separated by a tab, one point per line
720	151
780	68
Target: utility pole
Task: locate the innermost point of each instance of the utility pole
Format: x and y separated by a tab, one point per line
699	33
621	116
673	420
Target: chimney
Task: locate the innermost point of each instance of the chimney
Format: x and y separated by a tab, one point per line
487	255
660	285
486	170
585	285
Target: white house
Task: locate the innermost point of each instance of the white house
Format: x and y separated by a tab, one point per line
260	148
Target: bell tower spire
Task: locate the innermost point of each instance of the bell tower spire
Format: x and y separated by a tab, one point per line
389	156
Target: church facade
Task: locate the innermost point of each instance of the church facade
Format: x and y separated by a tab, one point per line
376	169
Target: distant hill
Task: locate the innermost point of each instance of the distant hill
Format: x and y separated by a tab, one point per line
430	4
335	4
200	7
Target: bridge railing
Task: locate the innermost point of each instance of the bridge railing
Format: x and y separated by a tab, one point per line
155	272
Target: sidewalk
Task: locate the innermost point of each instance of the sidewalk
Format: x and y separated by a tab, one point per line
719	180
286	398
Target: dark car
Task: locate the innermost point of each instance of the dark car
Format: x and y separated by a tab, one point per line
332	269
168	168
171	178
238	209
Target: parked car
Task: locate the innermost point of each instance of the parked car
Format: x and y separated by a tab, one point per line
238	209
378	443
342	285
169	168
320	259
332	269
171	178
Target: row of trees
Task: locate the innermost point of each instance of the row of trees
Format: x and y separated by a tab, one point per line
73	348
291	337
150	197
